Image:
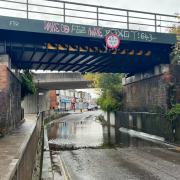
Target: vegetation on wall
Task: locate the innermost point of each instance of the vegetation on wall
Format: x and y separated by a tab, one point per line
174	113
173	116
27	85
175	55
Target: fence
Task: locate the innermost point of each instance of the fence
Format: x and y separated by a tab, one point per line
78	13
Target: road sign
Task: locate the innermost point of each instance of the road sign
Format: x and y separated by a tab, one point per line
112	41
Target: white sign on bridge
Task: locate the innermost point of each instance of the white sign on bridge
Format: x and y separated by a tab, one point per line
112	41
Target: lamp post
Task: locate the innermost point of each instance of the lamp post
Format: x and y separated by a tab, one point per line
38	98
81	102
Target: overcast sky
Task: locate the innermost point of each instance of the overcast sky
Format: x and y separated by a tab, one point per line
156	6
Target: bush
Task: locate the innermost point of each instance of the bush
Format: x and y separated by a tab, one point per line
172	117
110	86
110	101
174	113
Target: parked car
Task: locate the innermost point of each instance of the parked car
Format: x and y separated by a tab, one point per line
92	107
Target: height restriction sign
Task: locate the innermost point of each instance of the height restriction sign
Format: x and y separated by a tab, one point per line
112	41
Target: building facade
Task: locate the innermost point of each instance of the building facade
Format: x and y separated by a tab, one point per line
65	98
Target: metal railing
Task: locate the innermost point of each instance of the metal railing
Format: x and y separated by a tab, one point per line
78	13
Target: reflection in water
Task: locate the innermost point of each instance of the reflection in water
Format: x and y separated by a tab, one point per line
109	139
90	133
87	133
53	131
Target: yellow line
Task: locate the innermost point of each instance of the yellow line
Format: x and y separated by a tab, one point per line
178	149
70	178
64	172
64	168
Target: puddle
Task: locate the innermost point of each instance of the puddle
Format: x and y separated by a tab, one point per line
90	133
76	134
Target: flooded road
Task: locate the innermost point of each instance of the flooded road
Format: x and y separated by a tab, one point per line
89	153
77	132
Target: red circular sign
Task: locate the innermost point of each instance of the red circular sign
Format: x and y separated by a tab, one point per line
112	41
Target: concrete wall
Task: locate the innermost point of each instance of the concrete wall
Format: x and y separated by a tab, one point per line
31	103
152	91
56	77
151	123
49	81
27	162
112	117
10	99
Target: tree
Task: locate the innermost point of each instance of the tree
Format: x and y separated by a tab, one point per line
95	78
175	55
110	86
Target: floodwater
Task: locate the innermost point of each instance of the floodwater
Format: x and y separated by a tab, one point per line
87	132
87	150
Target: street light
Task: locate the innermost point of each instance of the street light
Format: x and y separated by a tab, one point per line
38	98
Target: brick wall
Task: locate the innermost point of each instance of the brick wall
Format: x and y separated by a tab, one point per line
15	98
3	96
53	99
152	93
10	99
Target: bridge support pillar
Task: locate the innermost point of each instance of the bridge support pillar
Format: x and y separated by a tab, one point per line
154	90
5	60
10	96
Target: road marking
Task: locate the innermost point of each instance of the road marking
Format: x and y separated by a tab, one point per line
70	178
64	168
178	149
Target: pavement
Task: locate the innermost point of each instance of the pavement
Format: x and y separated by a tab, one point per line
47	171
13	145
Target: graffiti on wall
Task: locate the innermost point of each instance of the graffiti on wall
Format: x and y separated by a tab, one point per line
98	32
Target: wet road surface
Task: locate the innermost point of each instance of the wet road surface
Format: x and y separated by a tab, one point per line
125	158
